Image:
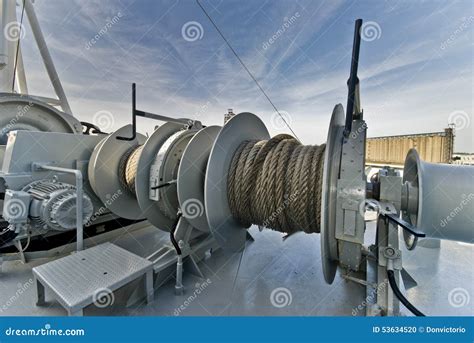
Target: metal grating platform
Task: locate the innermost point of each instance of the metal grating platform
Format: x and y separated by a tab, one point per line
82	278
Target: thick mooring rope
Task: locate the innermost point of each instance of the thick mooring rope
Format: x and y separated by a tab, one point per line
128	168
277	184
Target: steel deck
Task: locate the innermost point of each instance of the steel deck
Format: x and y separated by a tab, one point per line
242	283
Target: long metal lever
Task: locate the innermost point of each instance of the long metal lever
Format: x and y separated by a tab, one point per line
135	113
134	116
353	81
405	225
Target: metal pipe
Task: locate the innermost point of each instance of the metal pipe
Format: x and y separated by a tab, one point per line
3	41
79	195
179	288
163	118
20	73
50	101
9	42
48	61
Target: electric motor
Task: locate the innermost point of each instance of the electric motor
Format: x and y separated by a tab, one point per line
45	205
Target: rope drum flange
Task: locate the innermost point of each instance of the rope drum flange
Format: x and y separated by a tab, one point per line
108	176
191	177
144	175
124	174
277	184
166	164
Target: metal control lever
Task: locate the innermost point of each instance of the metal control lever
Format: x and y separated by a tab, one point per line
184	121
353	99
405	225
134	116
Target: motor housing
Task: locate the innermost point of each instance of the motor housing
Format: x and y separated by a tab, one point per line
44	205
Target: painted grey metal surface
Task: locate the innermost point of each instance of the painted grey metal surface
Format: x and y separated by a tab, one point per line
164	169
445	198
26	147
103	174
387	237
78	280
73	151
333	152
350	200
22	112
192	174
241	283
244	126
142	181
167	164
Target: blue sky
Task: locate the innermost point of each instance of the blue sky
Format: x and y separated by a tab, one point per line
416	72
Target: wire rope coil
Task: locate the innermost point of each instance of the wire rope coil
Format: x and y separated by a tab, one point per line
128	168
277	184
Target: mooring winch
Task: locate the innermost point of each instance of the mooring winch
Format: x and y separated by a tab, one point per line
206	185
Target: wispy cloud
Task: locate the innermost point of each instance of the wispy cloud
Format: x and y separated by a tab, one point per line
406	78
